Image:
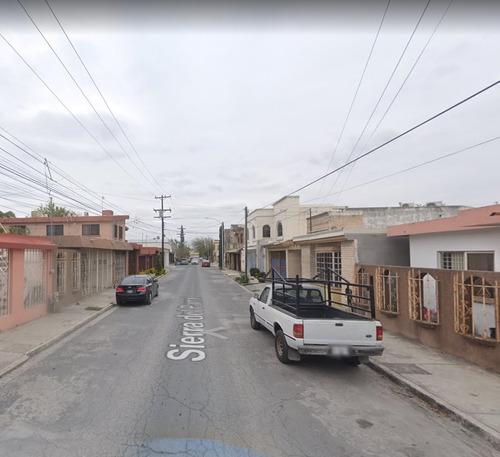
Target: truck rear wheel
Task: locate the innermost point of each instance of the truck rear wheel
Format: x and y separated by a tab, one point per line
353	361
281	347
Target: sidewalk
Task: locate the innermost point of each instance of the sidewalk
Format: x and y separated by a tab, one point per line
468	393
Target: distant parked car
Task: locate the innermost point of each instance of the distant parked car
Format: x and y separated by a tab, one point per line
184	261
194	261
137	288
205	263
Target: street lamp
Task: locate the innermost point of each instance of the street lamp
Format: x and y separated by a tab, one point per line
221	242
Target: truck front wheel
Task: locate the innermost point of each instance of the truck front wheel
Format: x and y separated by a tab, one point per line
281	347
253	322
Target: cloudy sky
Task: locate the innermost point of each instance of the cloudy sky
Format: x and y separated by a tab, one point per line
112	104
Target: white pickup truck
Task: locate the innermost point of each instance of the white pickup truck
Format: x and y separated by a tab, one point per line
318	317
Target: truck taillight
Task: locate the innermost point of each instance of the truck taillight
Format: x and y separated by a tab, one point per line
380	333
298	330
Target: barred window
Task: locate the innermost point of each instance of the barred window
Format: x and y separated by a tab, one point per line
424	298
452	260
388	291
477	308
76	272
330	260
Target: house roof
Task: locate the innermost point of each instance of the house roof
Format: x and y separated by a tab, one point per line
13	241
333	236
485	217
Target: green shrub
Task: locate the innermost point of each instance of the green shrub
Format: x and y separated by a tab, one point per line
242	279
254	272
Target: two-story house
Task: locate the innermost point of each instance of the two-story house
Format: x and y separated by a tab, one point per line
91	251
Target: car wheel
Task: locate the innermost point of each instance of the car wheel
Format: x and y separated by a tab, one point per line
253	322
281	347
157	291
119	302
149	297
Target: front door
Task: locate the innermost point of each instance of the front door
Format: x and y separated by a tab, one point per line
278	262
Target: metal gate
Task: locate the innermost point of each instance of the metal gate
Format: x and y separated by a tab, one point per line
35	291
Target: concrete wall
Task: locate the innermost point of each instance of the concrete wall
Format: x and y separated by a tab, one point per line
294	263
379	249
424	249
443	335
385	217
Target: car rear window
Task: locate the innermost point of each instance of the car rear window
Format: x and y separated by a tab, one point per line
135	280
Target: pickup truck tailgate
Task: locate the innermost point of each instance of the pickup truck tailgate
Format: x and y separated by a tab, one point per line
340	331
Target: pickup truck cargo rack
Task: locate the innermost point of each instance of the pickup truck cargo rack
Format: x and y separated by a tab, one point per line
339	293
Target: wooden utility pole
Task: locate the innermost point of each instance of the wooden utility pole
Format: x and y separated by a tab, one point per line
162	217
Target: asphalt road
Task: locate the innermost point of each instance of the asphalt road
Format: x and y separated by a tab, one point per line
187	376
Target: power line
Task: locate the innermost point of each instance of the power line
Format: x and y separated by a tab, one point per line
396	137
385	89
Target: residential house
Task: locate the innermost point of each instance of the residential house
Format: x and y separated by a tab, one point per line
234	242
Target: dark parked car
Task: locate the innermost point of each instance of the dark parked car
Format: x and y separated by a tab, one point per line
137	288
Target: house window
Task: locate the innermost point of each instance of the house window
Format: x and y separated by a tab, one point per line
18	229
328	260
388	292
476	308
253	232
452	260
480	261
424	298
266	231
280	229
90	229
55	230
115	231
120	232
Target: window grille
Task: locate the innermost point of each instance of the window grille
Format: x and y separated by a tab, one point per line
76	272
61	273
35	291
4	282
452	260
387	291
477	308
326	260
424	298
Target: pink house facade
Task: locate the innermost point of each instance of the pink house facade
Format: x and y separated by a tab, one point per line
25	278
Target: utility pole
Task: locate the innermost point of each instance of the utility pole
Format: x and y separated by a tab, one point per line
162	217
246	242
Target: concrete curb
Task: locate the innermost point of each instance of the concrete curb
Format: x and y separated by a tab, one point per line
489	434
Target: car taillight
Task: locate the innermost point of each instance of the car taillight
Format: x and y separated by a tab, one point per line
119	289
141	289
380	333
298	330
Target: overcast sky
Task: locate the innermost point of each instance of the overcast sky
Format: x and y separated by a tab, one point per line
225	107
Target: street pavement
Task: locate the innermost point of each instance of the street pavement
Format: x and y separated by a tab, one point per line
465	391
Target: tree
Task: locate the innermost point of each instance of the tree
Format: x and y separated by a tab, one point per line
181	250
205	247
50	209
7	214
